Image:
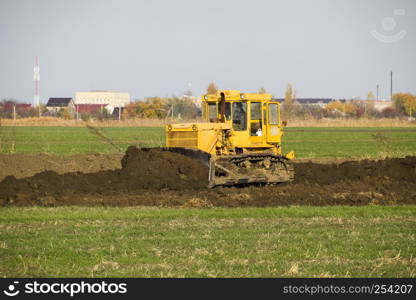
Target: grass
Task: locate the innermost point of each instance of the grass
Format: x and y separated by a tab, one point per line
337	241
308	142
350	142
75	140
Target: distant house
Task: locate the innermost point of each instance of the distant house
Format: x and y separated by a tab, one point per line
54	105
9	106
11	109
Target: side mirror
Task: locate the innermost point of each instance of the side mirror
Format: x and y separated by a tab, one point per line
284	123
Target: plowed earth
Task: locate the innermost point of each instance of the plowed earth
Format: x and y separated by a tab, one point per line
160	178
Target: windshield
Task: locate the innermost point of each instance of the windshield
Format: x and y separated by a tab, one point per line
239	116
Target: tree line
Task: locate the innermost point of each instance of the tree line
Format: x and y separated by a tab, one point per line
404	105
161	108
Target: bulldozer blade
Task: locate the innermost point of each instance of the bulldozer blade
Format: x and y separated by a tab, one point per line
198	155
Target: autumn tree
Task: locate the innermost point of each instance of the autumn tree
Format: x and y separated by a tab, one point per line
338	108
212	89
398	100
182	107
151	108
289	104
289	95
405	103
65	114
130	111
370	96
409	105
160	108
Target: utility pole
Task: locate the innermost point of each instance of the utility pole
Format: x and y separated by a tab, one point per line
391	85
14	112
36	79
378	87
119	113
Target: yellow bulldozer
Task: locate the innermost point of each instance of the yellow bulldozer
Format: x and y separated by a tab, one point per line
239	139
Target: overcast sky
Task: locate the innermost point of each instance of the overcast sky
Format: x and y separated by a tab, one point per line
323	48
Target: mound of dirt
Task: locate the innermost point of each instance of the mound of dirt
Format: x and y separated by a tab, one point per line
161	178
153	169
157	168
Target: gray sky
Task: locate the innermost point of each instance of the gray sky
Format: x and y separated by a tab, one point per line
155	48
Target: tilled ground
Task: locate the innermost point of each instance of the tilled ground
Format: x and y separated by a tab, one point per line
161	178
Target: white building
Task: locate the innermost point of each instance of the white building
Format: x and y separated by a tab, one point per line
113	99
382	104
195	100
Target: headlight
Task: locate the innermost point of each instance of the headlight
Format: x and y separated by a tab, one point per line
242	96
206	97
169	127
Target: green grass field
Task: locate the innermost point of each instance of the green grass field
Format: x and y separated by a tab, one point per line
339	241
370	241
307	142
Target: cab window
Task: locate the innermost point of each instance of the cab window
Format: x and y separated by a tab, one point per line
273	114
255	122
228	111
239	116
212	112
204	111
227	106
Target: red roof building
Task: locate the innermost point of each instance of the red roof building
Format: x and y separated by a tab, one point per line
8	107
89	108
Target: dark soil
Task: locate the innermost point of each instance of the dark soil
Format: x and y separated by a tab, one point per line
161	178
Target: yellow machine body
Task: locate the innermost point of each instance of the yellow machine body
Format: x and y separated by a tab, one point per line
241	134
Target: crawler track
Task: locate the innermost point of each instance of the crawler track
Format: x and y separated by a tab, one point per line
250	168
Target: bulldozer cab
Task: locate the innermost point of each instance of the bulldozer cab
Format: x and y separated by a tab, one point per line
254	119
